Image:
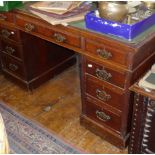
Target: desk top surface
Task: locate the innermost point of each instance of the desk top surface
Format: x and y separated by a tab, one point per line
81	25
135	88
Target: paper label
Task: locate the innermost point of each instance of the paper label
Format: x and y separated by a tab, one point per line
90	65
1	3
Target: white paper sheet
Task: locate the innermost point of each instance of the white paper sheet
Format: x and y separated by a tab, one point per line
1	3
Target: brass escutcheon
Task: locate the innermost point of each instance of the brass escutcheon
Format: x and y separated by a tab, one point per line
59	37
102	116
13	67
103	74
104	53
5	33
29	27
9	50
102	95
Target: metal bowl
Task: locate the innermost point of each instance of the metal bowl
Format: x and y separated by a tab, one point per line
113	10
149	4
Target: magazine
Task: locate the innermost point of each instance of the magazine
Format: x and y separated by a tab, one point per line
148	81
73	5
50	5
83	8
55	21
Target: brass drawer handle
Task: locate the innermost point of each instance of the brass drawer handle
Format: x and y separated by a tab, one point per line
9	50
13	67
2	17
102	95
59	37
5	33
102	116
29	27
103	53
103	74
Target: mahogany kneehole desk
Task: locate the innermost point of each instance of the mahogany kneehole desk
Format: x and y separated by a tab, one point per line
108	67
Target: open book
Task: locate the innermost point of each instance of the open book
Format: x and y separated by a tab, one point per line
148	81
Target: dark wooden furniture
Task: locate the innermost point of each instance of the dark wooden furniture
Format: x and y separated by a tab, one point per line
0	60
109	67
107	102
143	122
30	60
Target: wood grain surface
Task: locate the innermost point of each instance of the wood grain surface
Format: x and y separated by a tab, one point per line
56	105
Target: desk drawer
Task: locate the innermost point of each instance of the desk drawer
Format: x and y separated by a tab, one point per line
6	16
12	49
106	52
9	33
58	34
102	116
13	66
27	25
66	38
112	96
105	73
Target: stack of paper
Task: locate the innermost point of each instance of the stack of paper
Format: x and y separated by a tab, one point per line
53	5
148	81
60	12
56	7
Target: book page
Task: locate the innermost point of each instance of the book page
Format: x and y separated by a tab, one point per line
60	12
1	3
151	78
55	11
55	21
49	5
148	81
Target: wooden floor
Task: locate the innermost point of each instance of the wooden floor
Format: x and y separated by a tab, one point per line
57	105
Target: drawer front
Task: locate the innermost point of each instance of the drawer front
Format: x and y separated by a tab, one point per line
12	49
63	35
6	16
105	74
66	38
113	96
102	116
9	33
106	52
13	66
26	25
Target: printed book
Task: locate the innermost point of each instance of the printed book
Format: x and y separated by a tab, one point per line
55	21
148	81
83	8
51	9
50	5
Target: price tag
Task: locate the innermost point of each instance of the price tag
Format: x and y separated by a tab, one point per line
90	65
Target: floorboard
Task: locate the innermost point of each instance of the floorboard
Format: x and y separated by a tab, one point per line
56	104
